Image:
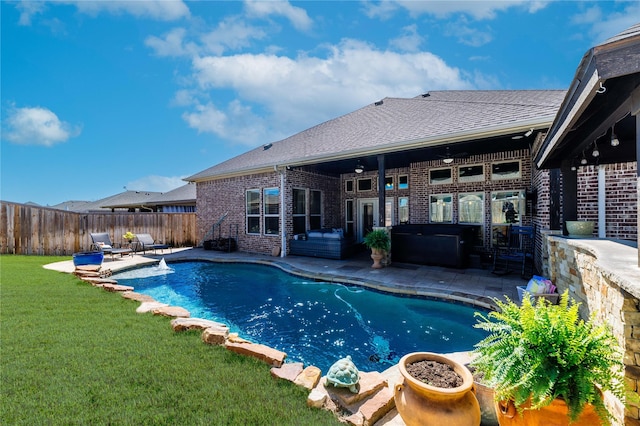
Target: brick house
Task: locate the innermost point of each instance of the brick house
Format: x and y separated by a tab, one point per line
440	157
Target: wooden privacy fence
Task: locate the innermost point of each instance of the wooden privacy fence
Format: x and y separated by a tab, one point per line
39	230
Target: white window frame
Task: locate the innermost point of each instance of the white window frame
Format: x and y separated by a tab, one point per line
476	178
498	177
444	182
253	215
266	215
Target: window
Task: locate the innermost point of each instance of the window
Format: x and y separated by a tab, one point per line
253	211
403	182
506	209
315	209
271	211
471	208
348	216
473	173
365	184
348	185
403	210
388	212
440	176
506	170
441	208
388	183
299	211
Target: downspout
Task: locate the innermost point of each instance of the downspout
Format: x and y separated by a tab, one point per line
602	199
283	235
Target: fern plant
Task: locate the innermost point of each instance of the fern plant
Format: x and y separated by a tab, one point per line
378	239
537	352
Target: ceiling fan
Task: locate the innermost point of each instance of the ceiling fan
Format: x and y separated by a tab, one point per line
448	156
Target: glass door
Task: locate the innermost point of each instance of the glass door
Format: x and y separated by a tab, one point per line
368	216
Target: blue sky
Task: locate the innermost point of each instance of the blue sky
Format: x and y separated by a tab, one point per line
101	95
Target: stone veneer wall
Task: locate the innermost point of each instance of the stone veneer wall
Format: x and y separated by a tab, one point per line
589	269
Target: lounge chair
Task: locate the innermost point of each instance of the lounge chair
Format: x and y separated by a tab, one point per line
146	242
102	242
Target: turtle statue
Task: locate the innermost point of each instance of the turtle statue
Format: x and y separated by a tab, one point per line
343	374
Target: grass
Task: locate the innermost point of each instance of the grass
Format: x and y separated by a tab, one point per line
75	354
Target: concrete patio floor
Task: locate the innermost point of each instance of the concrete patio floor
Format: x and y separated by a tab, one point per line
475	286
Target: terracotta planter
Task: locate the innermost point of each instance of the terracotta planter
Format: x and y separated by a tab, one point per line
555	414
422	404
377	255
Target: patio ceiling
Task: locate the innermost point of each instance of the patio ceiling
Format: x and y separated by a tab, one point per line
399	159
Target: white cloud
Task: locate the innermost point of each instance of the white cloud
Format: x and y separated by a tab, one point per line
155	183
172	44
161	10
297	16
28	9
410	41
231	34
466	34
478	10
294	94
37	126
606	26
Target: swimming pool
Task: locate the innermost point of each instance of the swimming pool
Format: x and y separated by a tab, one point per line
313	322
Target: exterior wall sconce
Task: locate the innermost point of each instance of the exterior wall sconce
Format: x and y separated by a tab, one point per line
584	160
595	151
614	138
359	168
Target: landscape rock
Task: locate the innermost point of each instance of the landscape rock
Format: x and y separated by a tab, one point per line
370	383
171	311
377	406
117	287
355	419
183	324
234	338
264	353
149	307
289	371
215	335
309	378
316	398
88	268
97	281
139	297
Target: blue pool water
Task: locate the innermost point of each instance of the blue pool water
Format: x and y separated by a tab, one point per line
313	322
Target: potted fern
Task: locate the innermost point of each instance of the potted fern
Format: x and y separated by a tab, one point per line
543	360
379	242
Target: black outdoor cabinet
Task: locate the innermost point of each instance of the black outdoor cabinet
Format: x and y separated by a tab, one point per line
433	244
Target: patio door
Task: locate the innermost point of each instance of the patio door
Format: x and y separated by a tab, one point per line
368	216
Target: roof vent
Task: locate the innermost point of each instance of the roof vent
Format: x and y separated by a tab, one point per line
267	146
426	95
379	103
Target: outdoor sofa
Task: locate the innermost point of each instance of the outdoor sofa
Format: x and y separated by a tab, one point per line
325	243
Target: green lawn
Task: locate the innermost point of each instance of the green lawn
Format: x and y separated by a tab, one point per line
75	354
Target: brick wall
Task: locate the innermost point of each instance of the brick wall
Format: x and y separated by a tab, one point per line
227	196
621	211
572	265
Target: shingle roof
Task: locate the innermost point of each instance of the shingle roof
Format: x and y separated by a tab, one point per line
128	199
402	123
184	194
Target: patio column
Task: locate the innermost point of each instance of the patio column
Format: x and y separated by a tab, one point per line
569	196
381	191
